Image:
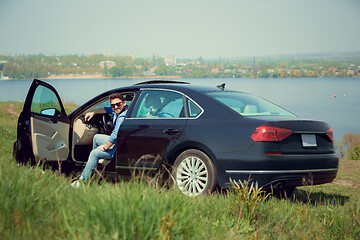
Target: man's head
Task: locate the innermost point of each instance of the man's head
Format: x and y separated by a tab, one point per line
117	102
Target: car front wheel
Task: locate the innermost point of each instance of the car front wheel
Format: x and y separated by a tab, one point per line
194	173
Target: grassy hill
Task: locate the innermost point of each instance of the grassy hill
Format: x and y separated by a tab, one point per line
42	205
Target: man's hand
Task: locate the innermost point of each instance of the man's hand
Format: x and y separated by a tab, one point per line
106	146
89	116
102	148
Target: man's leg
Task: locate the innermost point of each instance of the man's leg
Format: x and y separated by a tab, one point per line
95	155
100	139
92	162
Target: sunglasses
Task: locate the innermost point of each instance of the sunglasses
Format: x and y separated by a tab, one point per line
116	104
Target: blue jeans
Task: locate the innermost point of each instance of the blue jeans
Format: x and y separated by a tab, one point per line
95	155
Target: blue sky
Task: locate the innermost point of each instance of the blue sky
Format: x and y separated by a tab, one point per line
187	28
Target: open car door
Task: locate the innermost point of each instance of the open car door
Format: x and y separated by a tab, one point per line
43	126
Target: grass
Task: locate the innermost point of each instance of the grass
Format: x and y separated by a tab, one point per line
349	170
42	205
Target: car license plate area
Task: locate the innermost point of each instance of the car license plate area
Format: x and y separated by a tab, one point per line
308	140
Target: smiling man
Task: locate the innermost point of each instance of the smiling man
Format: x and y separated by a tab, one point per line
104	145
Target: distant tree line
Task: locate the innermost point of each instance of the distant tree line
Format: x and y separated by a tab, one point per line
43	66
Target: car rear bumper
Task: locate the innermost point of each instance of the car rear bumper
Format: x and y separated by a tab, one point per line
288	178
284	170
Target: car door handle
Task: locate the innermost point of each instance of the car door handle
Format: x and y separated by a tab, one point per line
171	131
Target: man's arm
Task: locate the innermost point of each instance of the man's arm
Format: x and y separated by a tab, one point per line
106	146
90	115
114	133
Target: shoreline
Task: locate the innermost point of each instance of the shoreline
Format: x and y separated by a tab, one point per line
100	76
95	76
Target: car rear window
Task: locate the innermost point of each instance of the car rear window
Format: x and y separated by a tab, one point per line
248	105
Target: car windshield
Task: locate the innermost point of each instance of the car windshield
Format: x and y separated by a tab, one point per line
248	105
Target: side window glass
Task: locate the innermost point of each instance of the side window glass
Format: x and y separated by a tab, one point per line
159	104
194	110
45	102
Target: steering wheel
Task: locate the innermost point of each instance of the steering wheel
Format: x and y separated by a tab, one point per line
90	122
108	124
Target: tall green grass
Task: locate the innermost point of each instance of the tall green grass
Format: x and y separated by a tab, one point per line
42	205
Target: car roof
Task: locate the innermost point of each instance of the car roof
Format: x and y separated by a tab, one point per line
177	85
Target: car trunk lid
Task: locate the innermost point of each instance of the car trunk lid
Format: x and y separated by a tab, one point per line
308	137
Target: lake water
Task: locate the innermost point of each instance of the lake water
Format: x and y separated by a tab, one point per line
311	98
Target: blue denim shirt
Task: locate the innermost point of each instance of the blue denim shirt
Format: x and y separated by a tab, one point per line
117	120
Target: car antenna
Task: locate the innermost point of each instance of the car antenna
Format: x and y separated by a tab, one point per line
222	86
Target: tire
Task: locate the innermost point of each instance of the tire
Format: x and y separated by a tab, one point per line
18	154
194	173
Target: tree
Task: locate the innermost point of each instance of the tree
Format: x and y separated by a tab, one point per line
352	142
351	139
354	154
11	69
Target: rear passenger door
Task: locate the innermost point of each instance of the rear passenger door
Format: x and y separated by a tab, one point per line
156	122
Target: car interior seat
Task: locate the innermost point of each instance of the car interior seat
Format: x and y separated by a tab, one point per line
250	109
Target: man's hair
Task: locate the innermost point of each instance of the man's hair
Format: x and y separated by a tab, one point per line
116	95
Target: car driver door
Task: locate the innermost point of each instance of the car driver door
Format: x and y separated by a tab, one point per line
43	126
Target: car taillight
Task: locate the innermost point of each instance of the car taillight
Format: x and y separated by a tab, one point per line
330	134
273	153
270	134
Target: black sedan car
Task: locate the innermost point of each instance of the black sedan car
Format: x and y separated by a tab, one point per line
209	135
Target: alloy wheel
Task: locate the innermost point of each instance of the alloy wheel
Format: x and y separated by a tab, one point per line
192	176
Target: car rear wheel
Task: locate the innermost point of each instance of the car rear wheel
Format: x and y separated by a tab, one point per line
194	173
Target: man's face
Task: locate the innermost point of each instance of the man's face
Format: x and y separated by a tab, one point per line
117	105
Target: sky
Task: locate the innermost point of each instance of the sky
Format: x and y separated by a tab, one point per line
186	28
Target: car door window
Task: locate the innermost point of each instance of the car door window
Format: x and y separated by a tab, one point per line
159	104
45	102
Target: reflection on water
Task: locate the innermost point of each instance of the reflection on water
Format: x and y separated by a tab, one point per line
311	98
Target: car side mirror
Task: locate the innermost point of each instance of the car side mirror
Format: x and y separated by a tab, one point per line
50	112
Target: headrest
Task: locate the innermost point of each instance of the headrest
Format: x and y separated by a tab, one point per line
250	109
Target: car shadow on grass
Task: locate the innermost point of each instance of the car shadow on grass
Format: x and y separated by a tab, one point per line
316	198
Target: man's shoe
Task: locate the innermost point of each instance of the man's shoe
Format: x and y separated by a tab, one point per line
77	183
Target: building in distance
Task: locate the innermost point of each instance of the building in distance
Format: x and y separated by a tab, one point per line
170	60
107	64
